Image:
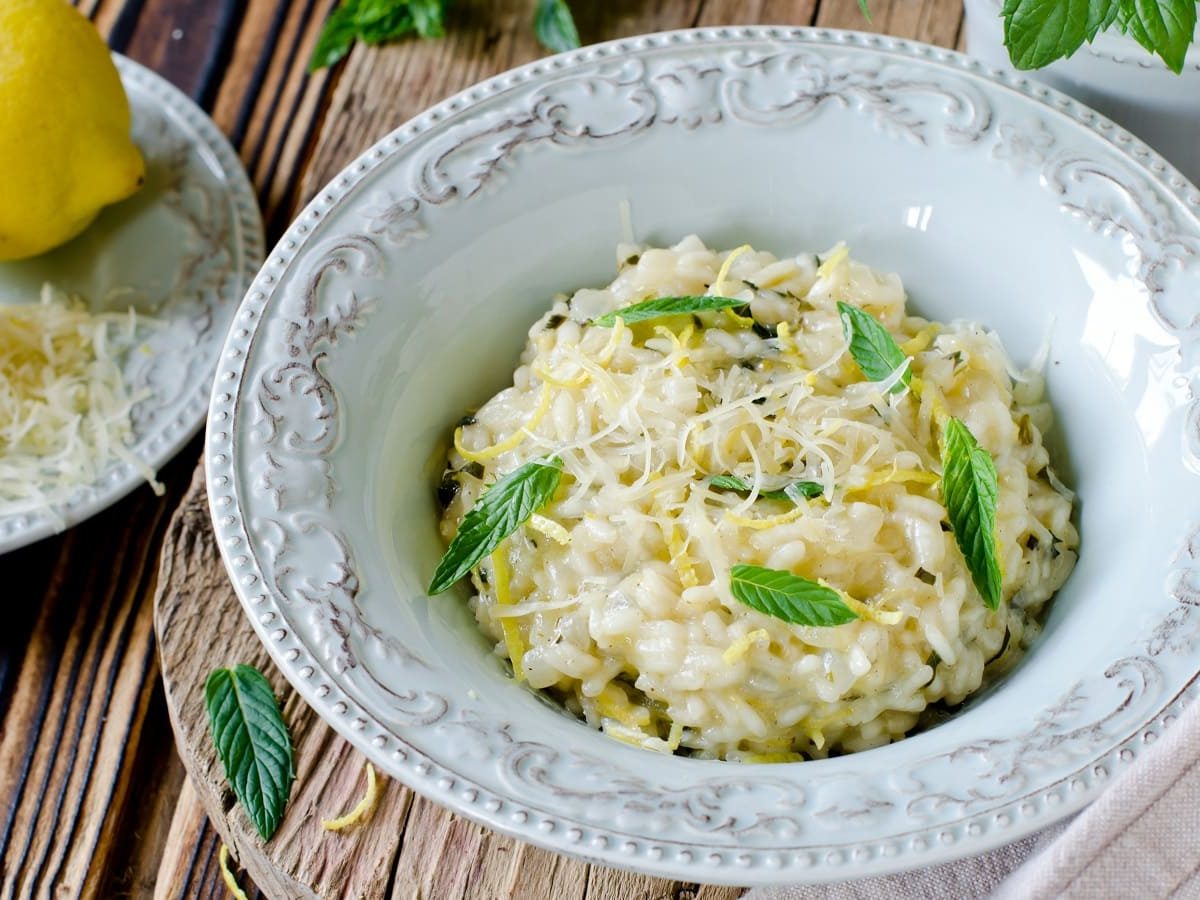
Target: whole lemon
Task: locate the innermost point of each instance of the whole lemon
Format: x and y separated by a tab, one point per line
65	146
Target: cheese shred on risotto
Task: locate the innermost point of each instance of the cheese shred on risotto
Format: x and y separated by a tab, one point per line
616	598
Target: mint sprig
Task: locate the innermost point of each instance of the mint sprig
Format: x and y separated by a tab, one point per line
788	597
379	21
375	22
872	346
1038	32
500	510
970	491
663	307
252	742
554	26
1164	27
794	491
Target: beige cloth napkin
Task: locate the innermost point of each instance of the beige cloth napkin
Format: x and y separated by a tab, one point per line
1141	838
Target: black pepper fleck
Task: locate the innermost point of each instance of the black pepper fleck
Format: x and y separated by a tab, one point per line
448	490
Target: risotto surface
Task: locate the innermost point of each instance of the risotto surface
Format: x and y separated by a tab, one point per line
615	597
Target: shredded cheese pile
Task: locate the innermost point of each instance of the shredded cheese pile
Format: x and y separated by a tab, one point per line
65	409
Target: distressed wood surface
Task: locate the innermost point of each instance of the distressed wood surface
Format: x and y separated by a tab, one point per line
94	800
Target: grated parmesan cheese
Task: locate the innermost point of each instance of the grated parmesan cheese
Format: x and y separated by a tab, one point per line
65	409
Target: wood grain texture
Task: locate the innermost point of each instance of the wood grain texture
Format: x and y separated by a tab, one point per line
93	801
409	848
88	775
78	697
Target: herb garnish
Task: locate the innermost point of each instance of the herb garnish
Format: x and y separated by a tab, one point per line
252	742
554	26
970	490
500	510
661	307
872	346
788	597
1037	32
795	491
378	21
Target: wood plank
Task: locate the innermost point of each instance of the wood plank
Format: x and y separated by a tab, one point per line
774	12
79	698
189	44
933	21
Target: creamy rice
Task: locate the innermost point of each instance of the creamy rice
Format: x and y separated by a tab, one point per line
616	598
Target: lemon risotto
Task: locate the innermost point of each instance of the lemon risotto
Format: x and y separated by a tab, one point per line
749	508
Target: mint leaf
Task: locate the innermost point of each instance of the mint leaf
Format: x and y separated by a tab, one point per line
428	17
252	742
1037	32
375	22
872	346
661	307
970	491
1165	27
788	597
336	38
795	491
554	26
500	510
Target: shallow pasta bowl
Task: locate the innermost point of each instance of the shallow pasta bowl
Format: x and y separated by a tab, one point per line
400	297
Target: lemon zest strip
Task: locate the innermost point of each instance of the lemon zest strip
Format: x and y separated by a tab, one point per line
680	560
633	736
787	348
681	342
362	809
511	441
919	341
677	548
501	576
621	710
715	287
227	874
738	648
550	529
863	611
919	476
839	255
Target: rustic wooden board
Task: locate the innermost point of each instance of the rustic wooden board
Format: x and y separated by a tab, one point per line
409	848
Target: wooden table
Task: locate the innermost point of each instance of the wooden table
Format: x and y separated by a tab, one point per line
93	800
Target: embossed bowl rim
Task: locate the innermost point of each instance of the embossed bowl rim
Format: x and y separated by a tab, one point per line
303	667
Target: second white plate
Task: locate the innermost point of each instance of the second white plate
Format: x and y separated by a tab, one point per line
182	250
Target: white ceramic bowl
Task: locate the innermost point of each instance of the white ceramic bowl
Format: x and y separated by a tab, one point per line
1116	76
401	295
